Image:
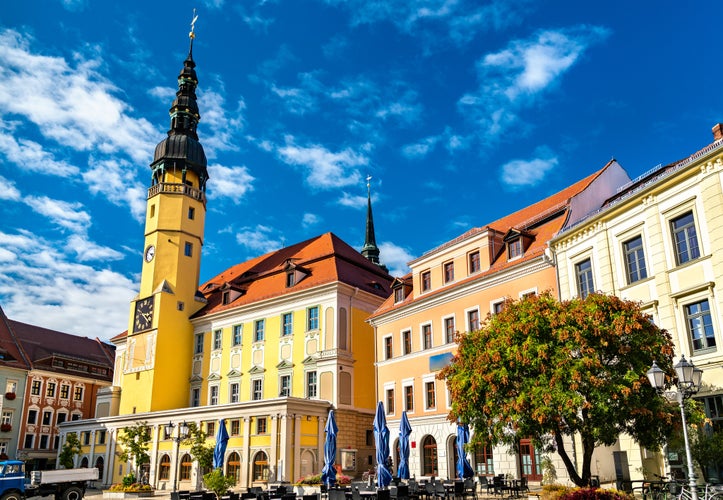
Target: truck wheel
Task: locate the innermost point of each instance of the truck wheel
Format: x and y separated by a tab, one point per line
72	493
12	496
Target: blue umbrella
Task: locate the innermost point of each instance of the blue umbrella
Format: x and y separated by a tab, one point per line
405	430
328	473
381	439
220	449
464	469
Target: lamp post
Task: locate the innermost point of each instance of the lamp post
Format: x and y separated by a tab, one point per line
182	435
688	383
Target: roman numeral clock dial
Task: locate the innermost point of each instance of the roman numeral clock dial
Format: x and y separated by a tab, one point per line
144	315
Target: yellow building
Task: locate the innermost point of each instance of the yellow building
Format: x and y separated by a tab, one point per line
453	288
659	241
270	345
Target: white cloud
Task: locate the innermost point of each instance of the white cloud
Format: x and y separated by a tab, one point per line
220	124
420	149
260	239
517	174
89	251
117	181
33	273
395	258
310	219
64	214
29	156
83	113
324	169
230	182
516	76
9	192
352	200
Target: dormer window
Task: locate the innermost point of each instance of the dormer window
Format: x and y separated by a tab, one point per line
226	298
290	279
514	249
294	273
399	295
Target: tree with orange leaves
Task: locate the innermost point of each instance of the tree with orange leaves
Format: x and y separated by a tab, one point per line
549	370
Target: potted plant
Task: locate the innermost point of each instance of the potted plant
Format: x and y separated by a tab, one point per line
5	427
10	396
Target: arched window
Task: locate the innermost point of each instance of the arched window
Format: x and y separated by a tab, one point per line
164	468
99	465
429	457
261	467
234	466
186	463
84	463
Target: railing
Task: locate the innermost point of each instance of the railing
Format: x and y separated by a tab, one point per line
165	187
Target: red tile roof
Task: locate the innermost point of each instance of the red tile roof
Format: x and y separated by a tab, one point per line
322	260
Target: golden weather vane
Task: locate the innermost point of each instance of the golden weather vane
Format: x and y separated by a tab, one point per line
192	34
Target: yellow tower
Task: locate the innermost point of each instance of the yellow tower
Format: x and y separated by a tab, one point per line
157	363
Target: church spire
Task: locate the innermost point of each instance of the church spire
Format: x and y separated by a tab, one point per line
370	249
181	151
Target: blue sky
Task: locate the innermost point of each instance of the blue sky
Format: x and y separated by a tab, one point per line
460	111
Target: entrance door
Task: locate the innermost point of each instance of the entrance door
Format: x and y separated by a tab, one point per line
529	461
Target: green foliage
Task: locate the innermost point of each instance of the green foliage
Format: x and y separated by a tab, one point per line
128	480
549	474
200	450
217	482
129	485
546	369
135	441
315	479
707	448
595	494
71	448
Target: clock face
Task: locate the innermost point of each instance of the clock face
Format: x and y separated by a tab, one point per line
150	252
144	315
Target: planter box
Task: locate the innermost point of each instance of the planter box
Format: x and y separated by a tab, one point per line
121	495
306	489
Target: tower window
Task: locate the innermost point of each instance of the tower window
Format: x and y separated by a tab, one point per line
153	211
191	213
188	249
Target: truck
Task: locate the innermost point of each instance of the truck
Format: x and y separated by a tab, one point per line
65	484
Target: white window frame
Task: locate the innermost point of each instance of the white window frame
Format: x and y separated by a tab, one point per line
425	380
422	336
217	339
234	396
213	395
444	327
466	317
260	380
388	338
405	384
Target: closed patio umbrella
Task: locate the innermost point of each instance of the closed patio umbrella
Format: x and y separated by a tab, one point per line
464	469
381	439
220	449
328	473
405	430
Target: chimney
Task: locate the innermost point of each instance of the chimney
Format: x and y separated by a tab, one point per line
718	131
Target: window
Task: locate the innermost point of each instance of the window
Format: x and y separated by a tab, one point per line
237	333
449	330
634	260
474	263
398	294
427	336
498	307
64	391
35	388
473	320
312	318
11	386
700	325
50	391
78	394
32	416
195	397
388	347
409	398
310	384
226	298
213	395
685	238
210	428
483	460
233	392
257	388
583	274
86	437
198	349
290	279
259	330
261	467
188	249
514	249
426	280
449	272
261	425
43	442
186	464
60	418
235	427
287	324
285	386
47	417
7	417
429	457
76	416
407	341
101	437
191	213
430	395
390	401
28	441
217	338
164	468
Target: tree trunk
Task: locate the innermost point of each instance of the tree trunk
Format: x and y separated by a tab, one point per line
571	471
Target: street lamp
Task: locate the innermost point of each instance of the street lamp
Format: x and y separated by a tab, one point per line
688	383
182	435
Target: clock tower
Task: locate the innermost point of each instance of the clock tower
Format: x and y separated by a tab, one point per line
157	362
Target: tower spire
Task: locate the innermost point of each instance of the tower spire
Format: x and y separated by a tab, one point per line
370	249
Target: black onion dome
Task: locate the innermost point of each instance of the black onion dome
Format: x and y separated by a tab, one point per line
181	147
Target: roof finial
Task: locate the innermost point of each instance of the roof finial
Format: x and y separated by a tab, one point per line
192	33
370	249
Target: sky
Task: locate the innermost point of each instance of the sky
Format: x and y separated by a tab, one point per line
460	112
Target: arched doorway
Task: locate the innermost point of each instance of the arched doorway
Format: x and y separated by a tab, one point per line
429	457
84	463
308	463
186	465
164	468
260	472
99	465
234	466
453	455
397	454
